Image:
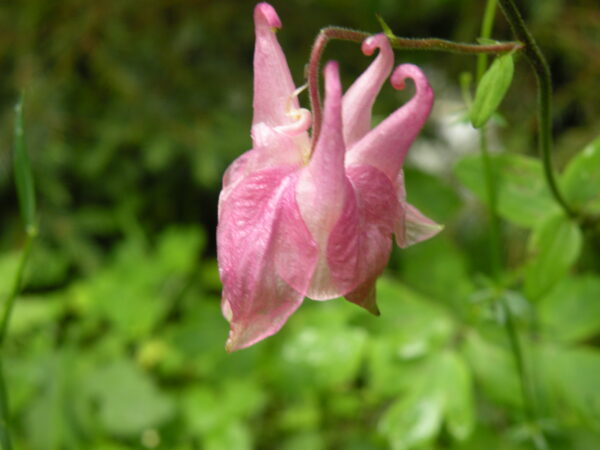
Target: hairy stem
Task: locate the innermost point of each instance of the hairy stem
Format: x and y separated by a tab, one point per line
345	34
544	86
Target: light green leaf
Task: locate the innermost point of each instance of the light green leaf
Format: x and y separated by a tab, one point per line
555	245
385	27
493	368
571	380
571	311
460	406
442	391
491	89
129	401
581	179
325	356
414	421
523	198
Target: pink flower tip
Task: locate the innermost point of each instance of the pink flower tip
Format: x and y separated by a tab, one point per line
331	72
373	42
411	71
265	15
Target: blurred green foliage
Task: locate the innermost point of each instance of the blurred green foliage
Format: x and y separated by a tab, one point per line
134	109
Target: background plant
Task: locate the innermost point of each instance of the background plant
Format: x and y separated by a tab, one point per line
132	112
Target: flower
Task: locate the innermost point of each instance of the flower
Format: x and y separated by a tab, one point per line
299	220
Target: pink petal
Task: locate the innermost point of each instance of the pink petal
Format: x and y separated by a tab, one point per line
385	146
358	100
323	187
279	126
254	223
359	247
412	226
273	85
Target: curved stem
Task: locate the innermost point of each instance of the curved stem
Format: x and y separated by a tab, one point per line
346	34
544	83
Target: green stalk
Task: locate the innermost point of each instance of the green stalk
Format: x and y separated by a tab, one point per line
8	304
544	94
26	195
544	86
486	32
490	182
5	442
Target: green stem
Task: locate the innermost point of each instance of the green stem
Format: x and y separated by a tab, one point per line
7	307
544	84
486	32
5	441
345	34
494	219
490	182
527	387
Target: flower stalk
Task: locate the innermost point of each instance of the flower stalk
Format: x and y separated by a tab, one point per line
544	87
346	34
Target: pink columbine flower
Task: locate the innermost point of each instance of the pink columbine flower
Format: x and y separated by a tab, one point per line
296	222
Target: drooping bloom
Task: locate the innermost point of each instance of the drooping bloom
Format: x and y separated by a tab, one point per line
300	219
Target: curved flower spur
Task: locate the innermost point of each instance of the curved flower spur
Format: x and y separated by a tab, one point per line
300	219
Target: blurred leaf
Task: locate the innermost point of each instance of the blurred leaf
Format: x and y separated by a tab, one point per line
23	174
235	435
431	195
443	391
523	197
571	311
129	401
33	311
412	324
460	404
581	179
179	248
494	369
9	263
413	422
325	356
492	89
555	245
438	269
571	375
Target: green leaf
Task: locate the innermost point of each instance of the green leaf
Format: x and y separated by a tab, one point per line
571	311
491	89
23	176
523	198
385	27
581	179
571	380
555	245
441	391
416	420
324	356
493	368
460	406
128	399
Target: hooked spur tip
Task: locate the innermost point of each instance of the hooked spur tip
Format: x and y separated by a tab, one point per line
371	43
265	15
411	71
